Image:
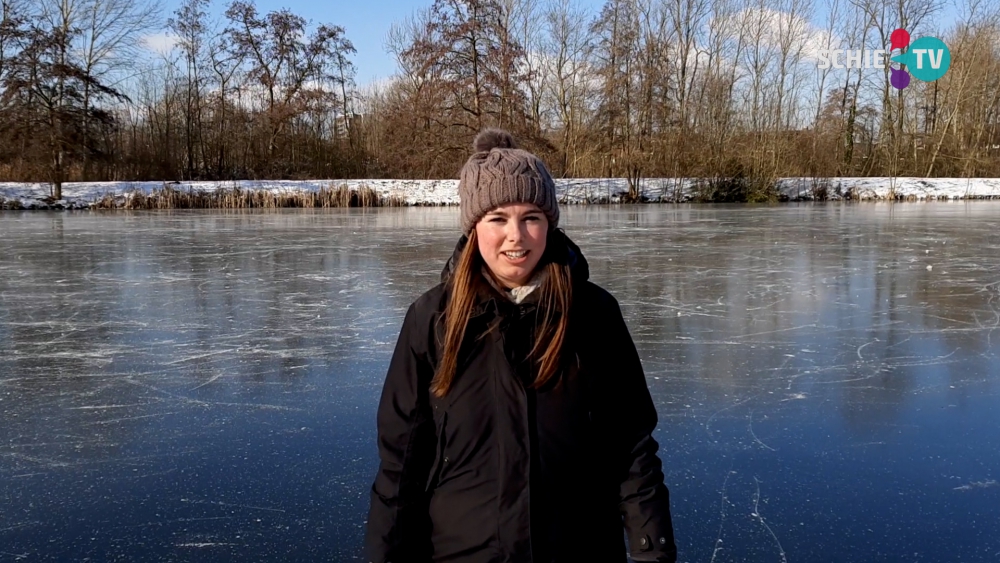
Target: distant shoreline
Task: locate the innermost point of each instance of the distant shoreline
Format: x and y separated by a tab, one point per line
272	194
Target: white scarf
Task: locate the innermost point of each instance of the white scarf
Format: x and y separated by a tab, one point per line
518	294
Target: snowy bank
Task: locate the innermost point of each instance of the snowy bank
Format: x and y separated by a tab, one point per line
81	195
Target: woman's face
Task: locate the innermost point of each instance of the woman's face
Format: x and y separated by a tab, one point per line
512	240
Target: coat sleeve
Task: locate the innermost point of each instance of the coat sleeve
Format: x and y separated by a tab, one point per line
644	498
397	521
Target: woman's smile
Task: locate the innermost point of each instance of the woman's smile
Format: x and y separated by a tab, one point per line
516	256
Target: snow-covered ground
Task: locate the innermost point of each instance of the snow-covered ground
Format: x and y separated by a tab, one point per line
575	190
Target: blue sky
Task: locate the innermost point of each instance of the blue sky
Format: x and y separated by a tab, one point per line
367	22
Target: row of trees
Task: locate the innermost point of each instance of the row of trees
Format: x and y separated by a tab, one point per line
701	88
643	88
259	95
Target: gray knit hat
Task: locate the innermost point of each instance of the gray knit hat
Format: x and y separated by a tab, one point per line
497	173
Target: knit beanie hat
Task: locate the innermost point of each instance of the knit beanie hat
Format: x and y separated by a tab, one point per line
498	173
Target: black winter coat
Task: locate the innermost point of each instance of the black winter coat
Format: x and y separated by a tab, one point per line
500	472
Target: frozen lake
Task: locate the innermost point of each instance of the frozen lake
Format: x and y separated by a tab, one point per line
201	386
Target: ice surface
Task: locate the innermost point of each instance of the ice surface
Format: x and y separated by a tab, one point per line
201	386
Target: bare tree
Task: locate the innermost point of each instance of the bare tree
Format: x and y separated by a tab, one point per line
49	92
827	41
616	61
411	93
959	108
224	68
287	62
106	43
728	40
13	29
686	19
521	17
13	33
793	32
190	25
569	77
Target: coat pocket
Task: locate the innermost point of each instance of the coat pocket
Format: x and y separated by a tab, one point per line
435	473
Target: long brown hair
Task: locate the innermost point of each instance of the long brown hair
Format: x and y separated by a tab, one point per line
554	300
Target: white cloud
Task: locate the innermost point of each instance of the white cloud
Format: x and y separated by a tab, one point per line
820	40
775	27
377	84
159	43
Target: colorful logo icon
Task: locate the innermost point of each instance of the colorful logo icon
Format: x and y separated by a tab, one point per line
927	59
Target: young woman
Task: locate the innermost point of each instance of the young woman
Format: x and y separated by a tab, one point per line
515	424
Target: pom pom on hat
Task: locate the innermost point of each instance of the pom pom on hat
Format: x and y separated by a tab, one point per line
489	139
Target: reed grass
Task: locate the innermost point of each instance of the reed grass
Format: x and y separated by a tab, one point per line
10	205
169	197
239	198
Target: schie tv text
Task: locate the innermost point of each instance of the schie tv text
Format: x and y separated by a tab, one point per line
877	58
848	58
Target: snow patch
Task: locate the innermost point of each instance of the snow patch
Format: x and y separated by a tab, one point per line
569	190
